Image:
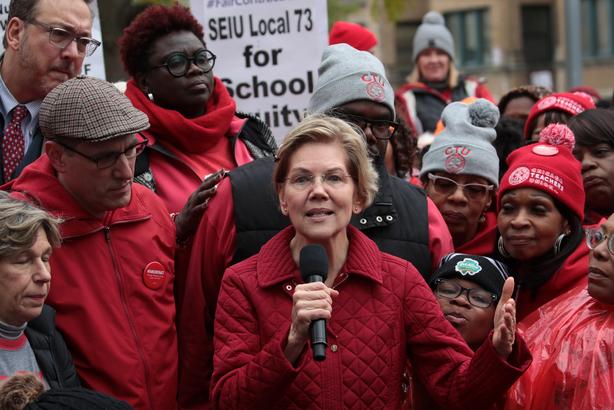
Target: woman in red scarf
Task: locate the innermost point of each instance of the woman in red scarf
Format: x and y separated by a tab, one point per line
195	130
540	206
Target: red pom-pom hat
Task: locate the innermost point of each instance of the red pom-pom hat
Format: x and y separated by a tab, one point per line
548	166
571	103
353	34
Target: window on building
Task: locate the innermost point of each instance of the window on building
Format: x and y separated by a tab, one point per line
597	31
469	29
404	40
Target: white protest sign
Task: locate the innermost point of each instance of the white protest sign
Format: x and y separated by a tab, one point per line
92	66
268	53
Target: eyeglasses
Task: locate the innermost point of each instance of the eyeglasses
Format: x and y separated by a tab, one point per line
334	180
178	64
381	129
595	236
447	186
108	160
61	38
476	297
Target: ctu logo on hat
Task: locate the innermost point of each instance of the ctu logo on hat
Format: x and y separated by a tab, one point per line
468	266
520	175
455	158
375	86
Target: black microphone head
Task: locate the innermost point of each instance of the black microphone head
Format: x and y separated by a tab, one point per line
313	261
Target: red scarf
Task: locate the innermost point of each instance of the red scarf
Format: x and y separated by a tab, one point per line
483	243
183	135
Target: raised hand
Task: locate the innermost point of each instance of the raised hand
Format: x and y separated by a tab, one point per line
505	321
187	220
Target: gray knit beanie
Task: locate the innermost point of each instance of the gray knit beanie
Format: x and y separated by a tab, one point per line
432	33
346	75
465	145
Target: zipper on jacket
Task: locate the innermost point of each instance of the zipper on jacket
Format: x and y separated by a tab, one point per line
118	276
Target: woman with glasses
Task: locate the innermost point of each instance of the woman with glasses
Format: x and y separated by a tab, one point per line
195	130
572	339
594	132
379	311
467	288
540	206
460	174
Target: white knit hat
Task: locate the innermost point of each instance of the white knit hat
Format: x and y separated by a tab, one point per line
465	145
432	33
346	75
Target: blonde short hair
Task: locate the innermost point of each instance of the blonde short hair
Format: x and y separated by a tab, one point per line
323	129
19	224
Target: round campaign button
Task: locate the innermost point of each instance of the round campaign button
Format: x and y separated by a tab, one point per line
545	150
154	275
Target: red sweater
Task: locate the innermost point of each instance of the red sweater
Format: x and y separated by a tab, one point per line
385	314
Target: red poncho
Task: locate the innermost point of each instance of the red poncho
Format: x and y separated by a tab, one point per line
572	342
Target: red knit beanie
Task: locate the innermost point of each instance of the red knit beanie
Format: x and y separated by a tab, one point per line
548	166
353	34
571	103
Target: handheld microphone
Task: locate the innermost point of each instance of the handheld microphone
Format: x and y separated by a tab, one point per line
314	268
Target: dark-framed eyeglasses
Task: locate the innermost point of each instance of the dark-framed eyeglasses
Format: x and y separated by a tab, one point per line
109	159
381	129
595	236
61	38
477	297
447	186
333	179
178	63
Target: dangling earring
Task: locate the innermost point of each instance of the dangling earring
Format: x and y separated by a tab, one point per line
502	249
150	96
558	243
284	210
482	218
356	210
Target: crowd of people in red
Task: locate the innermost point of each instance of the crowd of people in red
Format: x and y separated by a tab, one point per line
446	251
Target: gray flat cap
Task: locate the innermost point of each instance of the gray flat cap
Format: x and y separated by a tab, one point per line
89	109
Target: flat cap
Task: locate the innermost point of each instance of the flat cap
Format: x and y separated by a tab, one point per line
89	109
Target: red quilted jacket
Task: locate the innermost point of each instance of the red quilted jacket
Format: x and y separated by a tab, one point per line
384	314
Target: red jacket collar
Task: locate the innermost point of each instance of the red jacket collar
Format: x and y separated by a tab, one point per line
38	183
275	264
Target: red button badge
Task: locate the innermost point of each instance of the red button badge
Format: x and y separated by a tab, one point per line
154	275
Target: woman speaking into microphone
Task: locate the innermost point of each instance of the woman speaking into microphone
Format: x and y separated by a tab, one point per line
379	312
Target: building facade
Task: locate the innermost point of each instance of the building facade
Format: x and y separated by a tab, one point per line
508	42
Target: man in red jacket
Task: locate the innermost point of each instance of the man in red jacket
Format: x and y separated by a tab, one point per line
113	276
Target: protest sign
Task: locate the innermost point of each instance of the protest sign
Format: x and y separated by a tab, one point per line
93	65
268	52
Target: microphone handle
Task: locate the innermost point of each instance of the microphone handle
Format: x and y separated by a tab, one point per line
317	328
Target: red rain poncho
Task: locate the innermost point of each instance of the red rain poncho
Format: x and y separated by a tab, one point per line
572	342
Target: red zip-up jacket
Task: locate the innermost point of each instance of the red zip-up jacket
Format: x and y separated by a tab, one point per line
121	332
384	315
